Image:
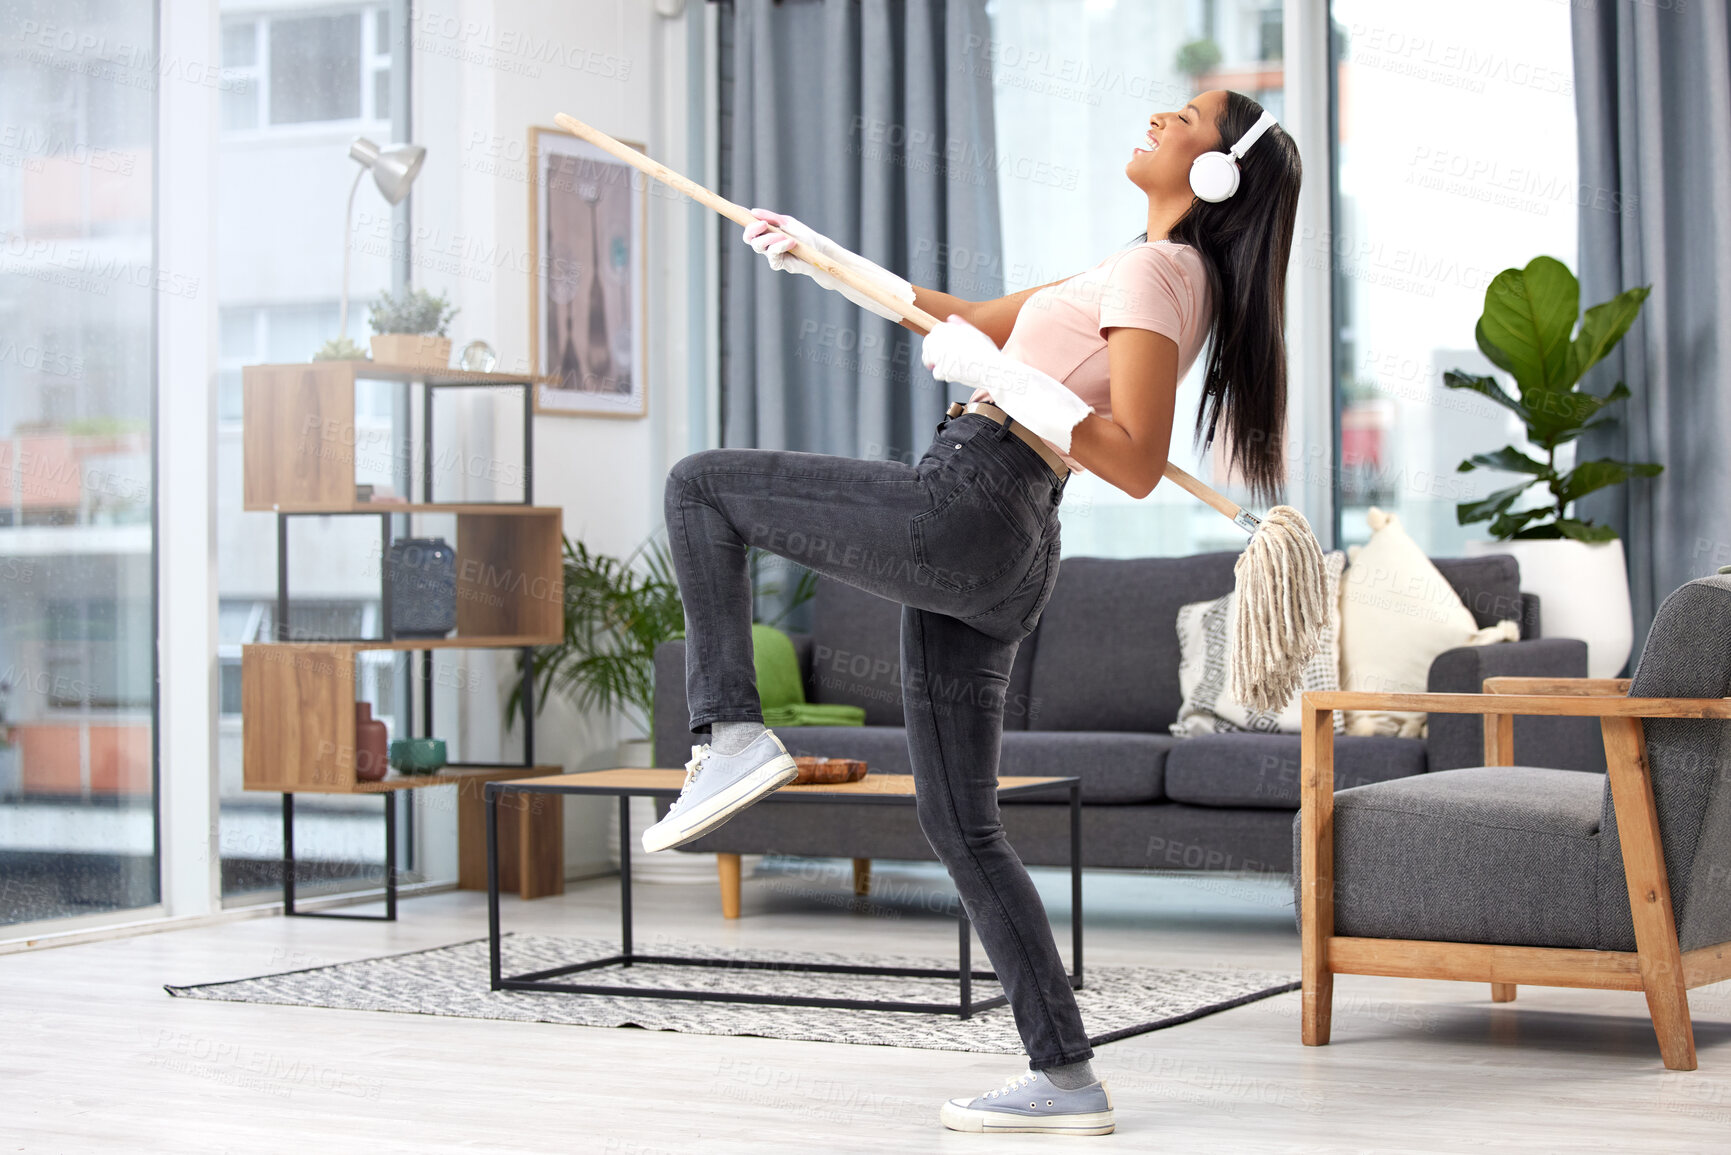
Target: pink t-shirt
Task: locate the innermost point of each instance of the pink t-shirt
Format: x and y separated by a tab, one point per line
1158	285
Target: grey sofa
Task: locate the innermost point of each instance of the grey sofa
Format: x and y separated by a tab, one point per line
1092	693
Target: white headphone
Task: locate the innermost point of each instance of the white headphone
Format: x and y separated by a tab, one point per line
1214	175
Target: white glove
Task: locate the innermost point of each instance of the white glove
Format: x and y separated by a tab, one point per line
772	234
956	351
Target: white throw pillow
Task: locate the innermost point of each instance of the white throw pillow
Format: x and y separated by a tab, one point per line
1397	613
1204	635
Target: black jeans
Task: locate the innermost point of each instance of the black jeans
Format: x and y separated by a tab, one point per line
966	540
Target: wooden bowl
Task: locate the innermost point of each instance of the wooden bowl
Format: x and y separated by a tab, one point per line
827	771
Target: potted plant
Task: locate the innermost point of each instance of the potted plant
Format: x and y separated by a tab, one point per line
1576	567
410	329
340	349
617	611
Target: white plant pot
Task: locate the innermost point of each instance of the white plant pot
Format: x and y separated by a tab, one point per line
1583	590
663	865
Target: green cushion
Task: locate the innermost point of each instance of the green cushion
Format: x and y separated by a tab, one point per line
814	714
777	668
780	690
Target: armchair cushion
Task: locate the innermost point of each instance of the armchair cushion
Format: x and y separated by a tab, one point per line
1490	854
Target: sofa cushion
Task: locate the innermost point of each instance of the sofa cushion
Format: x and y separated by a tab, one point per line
856	651
1490	854
1205	632
1106	655
856	657
1114	768
1397	613
1262	770
1489	586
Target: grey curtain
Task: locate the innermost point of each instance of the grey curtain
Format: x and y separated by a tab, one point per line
870	121
1653	102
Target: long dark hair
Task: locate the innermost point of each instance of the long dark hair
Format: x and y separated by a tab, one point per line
1245	241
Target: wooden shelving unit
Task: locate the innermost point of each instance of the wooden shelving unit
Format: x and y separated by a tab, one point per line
298	696
299	430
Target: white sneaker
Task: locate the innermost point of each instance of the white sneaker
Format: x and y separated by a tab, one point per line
718	786
1032	1102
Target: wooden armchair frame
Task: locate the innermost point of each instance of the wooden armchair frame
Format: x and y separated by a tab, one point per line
1657	967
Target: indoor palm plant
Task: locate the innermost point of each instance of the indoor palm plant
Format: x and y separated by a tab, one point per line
617	611
1528	330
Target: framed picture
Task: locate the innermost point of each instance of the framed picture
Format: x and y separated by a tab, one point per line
588	281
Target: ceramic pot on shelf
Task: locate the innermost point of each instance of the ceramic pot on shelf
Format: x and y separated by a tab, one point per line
371	750
1583	589
415	350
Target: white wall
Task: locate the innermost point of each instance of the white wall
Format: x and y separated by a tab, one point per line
483	72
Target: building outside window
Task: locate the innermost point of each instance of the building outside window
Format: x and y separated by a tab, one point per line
78	280
1436	124
299	86
1073	86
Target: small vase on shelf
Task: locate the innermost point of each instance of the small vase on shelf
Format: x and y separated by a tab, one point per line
371	761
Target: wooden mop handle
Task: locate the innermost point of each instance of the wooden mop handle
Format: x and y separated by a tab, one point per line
738	215
741	216
1246	520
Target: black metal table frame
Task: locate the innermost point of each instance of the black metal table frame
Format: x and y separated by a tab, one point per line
964	1007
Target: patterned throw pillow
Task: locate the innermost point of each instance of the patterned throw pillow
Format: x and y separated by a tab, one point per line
1204	633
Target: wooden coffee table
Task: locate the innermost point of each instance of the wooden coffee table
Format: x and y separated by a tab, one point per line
874	789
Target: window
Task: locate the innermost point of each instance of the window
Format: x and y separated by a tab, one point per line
306	69
239	623
303	83
77	389
1072	88
269	335
1456	160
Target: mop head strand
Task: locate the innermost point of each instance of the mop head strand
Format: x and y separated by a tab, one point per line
1281	612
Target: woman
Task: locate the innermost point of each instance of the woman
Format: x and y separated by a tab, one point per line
966	539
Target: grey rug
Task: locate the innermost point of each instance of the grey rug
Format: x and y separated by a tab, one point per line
1116	1002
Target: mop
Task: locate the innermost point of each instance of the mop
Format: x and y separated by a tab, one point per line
1282	603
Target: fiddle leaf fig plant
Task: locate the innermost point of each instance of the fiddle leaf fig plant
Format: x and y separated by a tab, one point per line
1528	331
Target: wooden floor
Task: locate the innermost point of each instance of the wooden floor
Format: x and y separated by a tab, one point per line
96	1057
